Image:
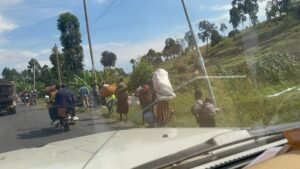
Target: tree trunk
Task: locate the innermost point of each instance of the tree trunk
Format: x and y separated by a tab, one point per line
206	45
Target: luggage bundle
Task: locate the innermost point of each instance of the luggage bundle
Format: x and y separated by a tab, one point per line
162	85
108	90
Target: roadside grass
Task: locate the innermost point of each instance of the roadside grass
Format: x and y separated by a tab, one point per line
242	102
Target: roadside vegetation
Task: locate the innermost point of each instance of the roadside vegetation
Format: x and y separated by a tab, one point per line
267	53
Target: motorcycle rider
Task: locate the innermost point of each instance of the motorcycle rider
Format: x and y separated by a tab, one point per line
65	100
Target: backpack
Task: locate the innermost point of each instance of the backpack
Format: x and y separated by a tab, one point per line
208	109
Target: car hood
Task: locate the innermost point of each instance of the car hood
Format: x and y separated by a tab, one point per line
114	149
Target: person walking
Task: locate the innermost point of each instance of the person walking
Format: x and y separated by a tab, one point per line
34	97
122	105
204	111
197	107
145	99
84	93
96	97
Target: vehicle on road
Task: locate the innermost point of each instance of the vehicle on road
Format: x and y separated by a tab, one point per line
7	97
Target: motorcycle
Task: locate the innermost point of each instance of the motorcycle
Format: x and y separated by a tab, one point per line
65	118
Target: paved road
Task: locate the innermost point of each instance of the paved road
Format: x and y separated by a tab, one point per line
30	127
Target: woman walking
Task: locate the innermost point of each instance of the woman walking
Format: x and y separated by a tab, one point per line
122	105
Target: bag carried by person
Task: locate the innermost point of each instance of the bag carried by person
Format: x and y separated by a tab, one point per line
108	90
208	109
162	85
149	117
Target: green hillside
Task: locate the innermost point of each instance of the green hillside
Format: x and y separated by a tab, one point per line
242	102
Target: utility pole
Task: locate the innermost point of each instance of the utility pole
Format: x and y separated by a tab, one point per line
33	74
57	64
202	64
89	38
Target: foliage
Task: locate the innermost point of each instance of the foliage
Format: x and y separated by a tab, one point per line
10	74
216	38
278	8
172	48
110	76
233	33
141	74
108	59
188	37
223	27
70	38
206	29
53	61
152	57
180	68
240	8
276	67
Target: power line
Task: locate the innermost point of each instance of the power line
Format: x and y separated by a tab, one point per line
105	12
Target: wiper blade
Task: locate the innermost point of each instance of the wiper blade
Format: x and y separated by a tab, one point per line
222	141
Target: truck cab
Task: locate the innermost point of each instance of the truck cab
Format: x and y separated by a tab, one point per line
7	97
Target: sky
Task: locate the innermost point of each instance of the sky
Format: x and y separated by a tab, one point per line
129	28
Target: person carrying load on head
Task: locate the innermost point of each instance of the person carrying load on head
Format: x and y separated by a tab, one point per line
164	92
122	96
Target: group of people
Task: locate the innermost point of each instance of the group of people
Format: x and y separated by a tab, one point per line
61	103
29	98
148	102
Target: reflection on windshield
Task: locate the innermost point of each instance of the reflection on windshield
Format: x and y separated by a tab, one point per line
226	64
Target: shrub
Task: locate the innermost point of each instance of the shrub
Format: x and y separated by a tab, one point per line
275	67
180	68
141	74
233	33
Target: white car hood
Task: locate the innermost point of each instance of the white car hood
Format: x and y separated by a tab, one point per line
114	149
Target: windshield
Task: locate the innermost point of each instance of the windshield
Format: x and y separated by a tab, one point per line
91	66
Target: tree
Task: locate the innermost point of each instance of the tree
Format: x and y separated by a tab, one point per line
172	48
188	37
11	74
6	74
70	38
251	8
240	8
235	17
216	38
206	28
277	8
141	75
34	66
108	59
47	76
132	61
223	27
152	57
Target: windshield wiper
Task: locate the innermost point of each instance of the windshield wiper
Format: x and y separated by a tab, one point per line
267	135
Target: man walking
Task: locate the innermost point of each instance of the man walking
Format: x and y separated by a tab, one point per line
84	93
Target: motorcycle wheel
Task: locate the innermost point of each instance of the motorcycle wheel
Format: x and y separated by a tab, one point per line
66	126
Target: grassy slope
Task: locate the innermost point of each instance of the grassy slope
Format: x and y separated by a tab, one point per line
242	101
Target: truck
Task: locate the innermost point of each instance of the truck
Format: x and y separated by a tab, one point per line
7	97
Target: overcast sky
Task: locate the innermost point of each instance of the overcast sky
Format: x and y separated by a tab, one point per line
126	27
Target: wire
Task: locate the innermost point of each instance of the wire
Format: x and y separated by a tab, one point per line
104	12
